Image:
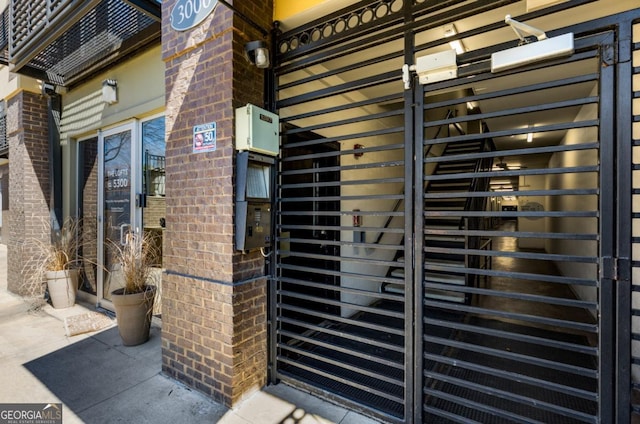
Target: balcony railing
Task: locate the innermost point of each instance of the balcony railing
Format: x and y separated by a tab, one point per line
65	41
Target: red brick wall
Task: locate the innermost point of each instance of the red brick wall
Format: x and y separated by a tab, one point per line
214	299
27	131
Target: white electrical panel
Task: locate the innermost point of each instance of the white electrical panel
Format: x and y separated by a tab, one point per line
257	130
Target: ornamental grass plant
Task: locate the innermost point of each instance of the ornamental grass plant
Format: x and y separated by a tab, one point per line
137	259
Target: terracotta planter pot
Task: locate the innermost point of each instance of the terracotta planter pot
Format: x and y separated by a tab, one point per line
133	315
62	286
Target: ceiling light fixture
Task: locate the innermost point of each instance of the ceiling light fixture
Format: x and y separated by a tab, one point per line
529	137
450	31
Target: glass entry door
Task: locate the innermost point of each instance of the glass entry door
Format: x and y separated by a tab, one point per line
118	212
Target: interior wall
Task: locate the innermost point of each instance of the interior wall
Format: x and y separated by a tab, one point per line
575	203
531	203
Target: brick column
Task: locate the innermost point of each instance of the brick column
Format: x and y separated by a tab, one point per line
214	335
27	131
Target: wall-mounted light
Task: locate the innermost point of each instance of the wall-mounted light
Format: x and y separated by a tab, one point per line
529	137
257	53
110	91
48	89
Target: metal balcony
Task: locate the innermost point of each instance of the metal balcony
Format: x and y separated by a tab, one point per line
66	41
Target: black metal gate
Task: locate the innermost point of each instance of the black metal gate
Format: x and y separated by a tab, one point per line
448	252
514	305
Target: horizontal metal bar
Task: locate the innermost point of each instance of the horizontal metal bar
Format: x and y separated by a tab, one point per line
554	322
516	193
374	165
354	306
509	214
341	198
349	121
542	171
435	266
325	49
339	213
345	152
515	295
468	403
334	377
357	65
334	347
513	152
337	89
390	230
518	255
340	108
502	394
326	330
374	246
318	271
517	357
526	338
514	111
335	318
509	375
533	88
287	186
343	137
513	131
341	289
525	234
446	414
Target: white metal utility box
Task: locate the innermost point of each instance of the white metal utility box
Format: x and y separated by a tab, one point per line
257	130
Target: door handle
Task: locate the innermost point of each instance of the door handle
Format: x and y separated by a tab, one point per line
124	234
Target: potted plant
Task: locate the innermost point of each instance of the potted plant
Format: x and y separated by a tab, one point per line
56	263
133	302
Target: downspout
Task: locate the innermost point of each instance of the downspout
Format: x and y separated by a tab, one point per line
54	113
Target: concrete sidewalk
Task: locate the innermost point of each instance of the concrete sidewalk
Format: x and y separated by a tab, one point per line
98	380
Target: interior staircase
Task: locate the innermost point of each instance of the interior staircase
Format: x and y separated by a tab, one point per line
445	262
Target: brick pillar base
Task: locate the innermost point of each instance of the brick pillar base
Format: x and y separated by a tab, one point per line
29	187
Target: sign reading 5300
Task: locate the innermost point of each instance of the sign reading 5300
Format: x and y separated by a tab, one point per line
189	13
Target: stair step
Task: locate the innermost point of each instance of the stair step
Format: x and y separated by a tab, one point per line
444	208
429	294
449	170
445	295
397	273
454	279
445	262
393	288
443	239
433	221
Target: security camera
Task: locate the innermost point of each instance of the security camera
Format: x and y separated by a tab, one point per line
257	53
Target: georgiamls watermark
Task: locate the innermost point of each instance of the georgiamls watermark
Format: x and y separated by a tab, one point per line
30	413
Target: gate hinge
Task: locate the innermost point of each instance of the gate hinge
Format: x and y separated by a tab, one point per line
617	269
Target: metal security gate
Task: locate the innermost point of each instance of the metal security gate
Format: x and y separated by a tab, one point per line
514	305
447	252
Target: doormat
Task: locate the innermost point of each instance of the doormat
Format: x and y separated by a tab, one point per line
86	323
